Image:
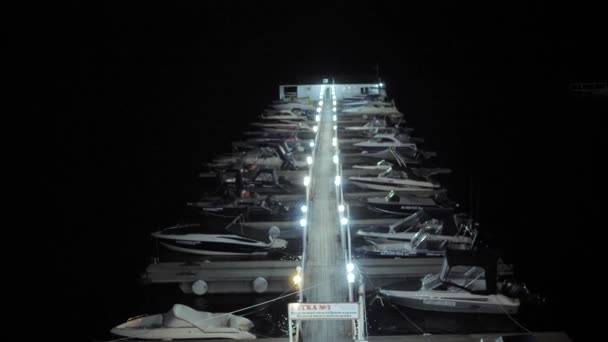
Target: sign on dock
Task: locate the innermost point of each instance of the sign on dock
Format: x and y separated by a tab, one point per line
323	311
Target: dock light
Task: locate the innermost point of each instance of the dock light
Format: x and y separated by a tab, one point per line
309	160
380	84
333	97
335	127
303	222
317	118
334	141
344	221
335	102
311	144
341	208
335	117
350	277
350	267
315	129
338	180
318	110
335	159
304	209
306	180
334	109
320	103
297	279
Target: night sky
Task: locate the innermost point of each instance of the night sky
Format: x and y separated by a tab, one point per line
130	99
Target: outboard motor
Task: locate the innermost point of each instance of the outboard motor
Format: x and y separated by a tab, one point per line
274	233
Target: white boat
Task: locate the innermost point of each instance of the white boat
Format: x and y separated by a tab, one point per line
382	142
382	165
373	125
391	179
293	105
384	109
183	322
291	115
466	284
194	239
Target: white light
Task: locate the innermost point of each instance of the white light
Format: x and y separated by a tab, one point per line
350	277
380	84
333	97
317	118
315	129
306	180
344	221
312	144
334	141
297	279
304	209
338	180
335	102
318	110
309	160
335	127
320	103
335	159
341	208
303	222
350	267
334	109
335	117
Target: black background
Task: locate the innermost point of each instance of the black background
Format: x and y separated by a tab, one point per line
131	98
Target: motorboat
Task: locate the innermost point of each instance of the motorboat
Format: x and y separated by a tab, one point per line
372	125
398	155
384	109
394	179
382	142
427	241
292	106
435	221
264	182
290	115
251	208
183	322
467	283
400	204
196	239
272	156
382	165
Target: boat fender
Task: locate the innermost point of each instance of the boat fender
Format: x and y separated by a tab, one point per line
260	285
200	287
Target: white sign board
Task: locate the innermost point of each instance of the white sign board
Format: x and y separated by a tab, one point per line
323	311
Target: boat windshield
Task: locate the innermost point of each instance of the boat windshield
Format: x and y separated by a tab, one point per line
392	197
471	278
390	173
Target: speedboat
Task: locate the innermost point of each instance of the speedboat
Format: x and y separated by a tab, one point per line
385	109
195	239
370	126
425	242
393	179
429	220
251	208
384	141
292	106
399	204
183	322
382	165
291	115
398	155
466	284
